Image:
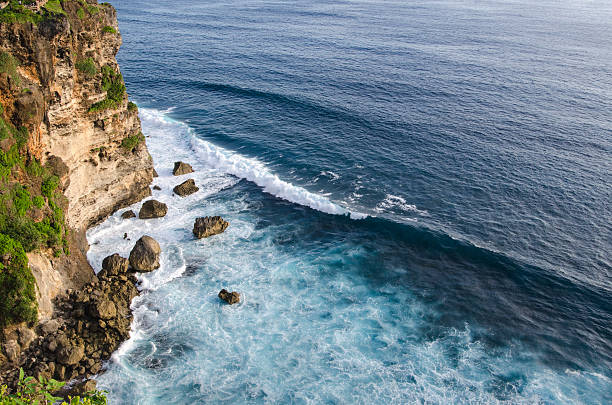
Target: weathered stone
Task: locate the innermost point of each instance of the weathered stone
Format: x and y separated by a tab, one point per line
186	188
128	214
209	226
103	309
155	173
114	265
145	254
71	355
26	336
153	209
156	187
229	297
181	168
84	386
50	327
12	350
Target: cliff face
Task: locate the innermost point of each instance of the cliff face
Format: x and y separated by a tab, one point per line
102	175
71	153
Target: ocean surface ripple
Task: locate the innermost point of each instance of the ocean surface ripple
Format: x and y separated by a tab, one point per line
419	198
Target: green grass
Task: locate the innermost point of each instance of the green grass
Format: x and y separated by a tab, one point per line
130	142
8	65
87	66
81	13
109	29
17	285
132	106
17	13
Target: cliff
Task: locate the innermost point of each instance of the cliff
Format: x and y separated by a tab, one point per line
72	153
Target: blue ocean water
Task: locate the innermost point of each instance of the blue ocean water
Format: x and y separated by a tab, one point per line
419	198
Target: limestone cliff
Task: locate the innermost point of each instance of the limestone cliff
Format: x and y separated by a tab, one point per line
74	143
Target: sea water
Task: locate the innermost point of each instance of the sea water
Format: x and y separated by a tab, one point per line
418	197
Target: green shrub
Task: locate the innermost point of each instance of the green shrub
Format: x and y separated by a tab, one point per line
54	6
81	13
17	285
49	185
35	169
87	66
8	65
129	143
38	201
109	29
17	13
31	391
22	200
132	106
112	83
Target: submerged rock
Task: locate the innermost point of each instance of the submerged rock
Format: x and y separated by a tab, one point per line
181	168
145	254
186	188
156	188
153	209
229	297
114	265
209	226
128	214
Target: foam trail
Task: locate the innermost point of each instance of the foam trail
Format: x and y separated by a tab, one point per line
253	170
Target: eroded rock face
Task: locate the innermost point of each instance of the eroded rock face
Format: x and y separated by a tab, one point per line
229	297
209	226
186	188
144	256
114	265
181	168
153	209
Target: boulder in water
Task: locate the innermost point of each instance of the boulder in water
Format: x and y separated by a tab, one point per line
128	214
153	209
181	168
209	226
229	297
144	256
186	188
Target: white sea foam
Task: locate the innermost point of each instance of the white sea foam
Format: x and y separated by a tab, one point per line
394	203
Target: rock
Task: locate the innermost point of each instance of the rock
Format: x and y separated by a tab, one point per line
156	188
60	373
114	265
50	327
12	350
181	168
229	297
71	355
145	254
155	173
103	309
209	226
26	336
83	387
153	209
186	188
128	214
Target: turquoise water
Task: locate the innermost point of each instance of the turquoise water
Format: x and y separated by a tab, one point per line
418	197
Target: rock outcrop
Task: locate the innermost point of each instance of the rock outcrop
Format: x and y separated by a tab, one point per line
153	209
128	214
181	168
229	297
114	265
145	254
209	226
186	188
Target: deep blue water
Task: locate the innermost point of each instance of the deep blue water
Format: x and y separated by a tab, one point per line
471	143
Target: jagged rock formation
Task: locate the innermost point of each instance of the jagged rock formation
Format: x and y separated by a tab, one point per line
153	209
186	188
181	168
63	98
229	297
209	226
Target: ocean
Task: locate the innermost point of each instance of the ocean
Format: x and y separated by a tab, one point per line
419	197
